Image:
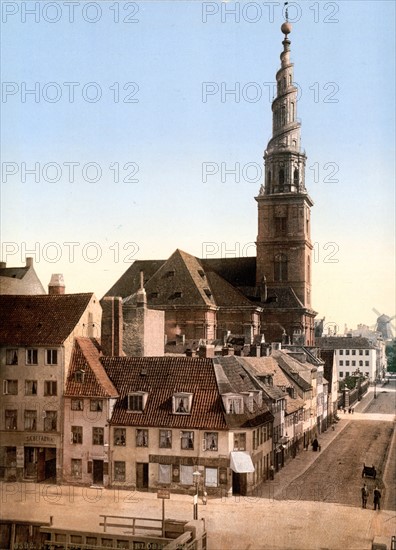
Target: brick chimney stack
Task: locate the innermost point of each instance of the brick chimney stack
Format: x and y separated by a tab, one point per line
29	262
56	285
112	326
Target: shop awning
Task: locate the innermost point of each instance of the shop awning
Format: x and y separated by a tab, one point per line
241	463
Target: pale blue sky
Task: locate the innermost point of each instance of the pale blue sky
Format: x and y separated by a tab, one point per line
342	51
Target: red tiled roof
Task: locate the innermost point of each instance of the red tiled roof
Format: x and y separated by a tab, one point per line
40	319
161	377
85	356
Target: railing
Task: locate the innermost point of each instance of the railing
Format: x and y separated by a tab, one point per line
132	524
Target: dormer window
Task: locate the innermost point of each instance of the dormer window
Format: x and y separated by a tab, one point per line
137	401
201	273
208	292
233	404
170	273
79	376
177	294
181	403
154	295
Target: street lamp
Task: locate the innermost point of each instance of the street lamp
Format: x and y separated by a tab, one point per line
196	477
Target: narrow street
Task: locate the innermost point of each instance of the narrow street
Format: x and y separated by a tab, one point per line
364	437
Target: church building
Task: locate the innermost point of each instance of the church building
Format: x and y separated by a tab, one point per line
268	294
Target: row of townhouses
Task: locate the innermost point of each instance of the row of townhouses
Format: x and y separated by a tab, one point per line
76	409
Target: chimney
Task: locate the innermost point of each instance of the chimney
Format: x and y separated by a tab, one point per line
29	262
3	265
276	346
56	285
206	351
225	350
141	298
112	326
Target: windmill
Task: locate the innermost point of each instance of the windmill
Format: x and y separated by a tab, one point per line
384	325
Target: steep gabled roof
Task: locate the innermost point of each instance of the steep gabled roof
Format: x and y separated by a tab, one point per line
344	342
232	378
267	366
296	371
225	294
96	383
129	282
161	378
178	283
40	319
14	272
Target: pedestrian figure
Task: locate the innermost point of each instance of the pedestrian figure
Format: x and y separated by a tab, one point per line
344	411
365	495
349	410
377	498
272	471
315	445
353	410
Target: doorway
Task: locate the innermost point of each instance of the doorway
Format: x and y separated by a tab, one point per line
98	471
239	484
142	477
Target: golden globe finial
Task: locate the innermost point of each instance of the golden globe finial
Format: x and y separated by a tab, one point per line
286	28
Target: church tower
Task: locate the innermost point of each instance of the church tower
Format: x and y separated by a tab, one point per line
284	248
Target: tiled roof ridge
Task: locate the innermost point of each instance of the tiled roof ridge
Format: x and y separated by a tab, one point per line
89	350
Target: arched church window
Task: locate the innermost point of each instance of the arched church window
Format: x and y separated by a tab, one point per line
284	82
292	111
269	178
283	118
280	267
281	176
309	269
295	177
290	79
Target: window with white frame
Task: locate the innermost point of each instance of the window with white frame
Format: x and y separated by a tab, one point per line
234	405
341	352
210	441
50	387
76	435
120	436
165	439
164	473
341	374
181	403
141	438
137	401
96	405
30	418
76	468
11	357
186	475
366	352
187	440
30	387
119	470
211	477
77	404
31	356
51	356
341	363
11	416
97	436
367	363
50	421
10	387
239	441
